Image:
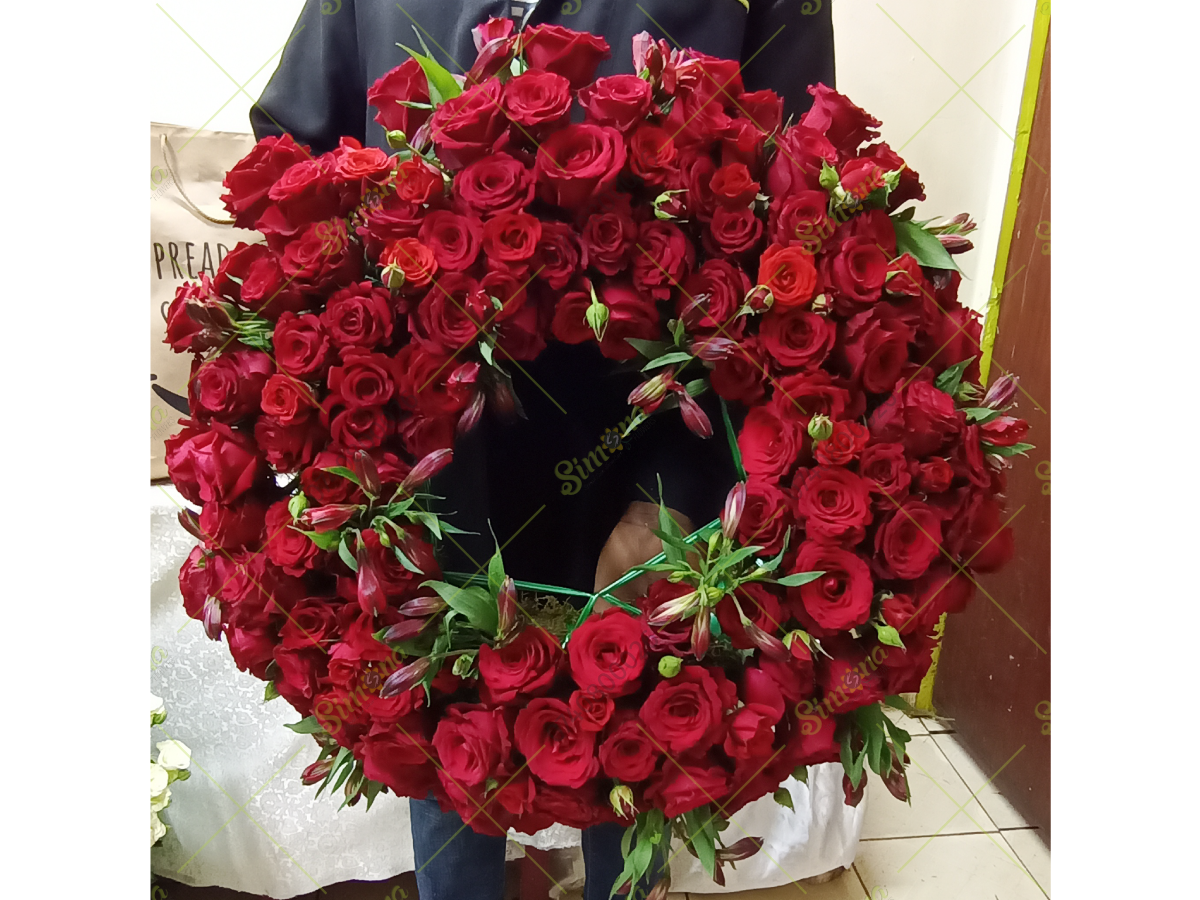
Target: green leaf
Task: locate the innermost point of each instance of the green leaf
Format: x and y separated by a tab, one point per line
326	540
895	701
1014	450
345	473
701	838
798	578
648	349
473	602
727	560
734	450
921	245
980	415
773	563
346	555
696	387
406	562
889	635
801	774
485	350
678	333
949	380
900	737
270	693
371	790
905	215
308	725
297	505
667	359
784	797
496	573
634	423
343	754
442	86
429	520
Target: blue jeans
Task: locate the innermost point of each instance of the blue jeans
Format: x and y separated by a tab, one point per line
456	863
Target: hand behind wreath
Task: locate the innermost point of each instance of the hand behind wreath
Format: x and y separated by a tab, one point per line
631	544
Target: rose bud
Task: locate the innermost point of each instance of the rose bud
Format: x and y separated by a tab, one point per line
472	414
428	467
327	518
674	609
648	395
694	417
669	666
597	317
731	516
1002	392
714	348
621	798
406	630
1004	431
820	428
760	298
370	590
771	646
506	604
189	523
743	849
422	606
316	773
210	616
368	474
405	679
700	634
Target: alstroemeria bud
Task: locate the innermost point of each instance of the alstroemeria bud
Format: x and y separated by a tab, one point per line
467	373
327	518
1004	431
1001	393
405	679
820	427
368	475
406	630
210	617
673	609
506	606
370	590
422	606
472	414
771	646
191	524
711	349
669	666
621	798
955	243
316	773
743	849
662	889
648	395
735	504
700	634
694	417
429	466
354	785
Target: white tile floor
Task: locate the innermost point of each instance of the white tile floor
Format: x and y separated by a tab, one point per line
933	849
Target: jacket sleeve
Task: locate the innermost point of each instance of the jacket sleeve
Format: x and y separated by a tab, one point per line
788	61
317	94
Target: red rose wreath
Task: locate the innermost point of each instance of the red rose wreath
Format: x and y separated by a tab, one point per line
680	222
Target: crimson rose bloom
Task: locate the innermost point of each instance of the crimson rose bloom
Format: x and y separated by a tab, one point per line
537	102
558	255
495	184
572	54
844	124
405	82
630	314
606	653
796	338
885	469
468	127
363	379
524	667
769	444
359	316
733	186
218	464
766	517
909	541
857	270
732	232
686	713
875	344
846	684
285	546
797	165
789	273
577	163
759	605
413	260
557	749
742	374
662	259
841	447
233	526
361	427
834	504
919	416
229	387
592	708
455	240
682	788
250	180
652	154
511	238
401	757
619	101
841	598
608	237
628	753
472	743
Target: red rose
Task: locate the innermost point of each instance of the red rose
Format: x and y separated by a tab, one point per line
628	753
416	182
472	743
495	184
289	447
797	339
557	750
845	125
606	653
841	447
662	258
286	547
858	269
743	142
392	219
309	192
250	180
323	257
847	681
933	476
537	102
455	240
652	154
558	255
803	395
234	526
742	375
468	127
300	675
578	162
885	469
801	218
229	387
630	314
711	298
875	344
919	416
511	238
682	788
575	809
608	237
619	101
834	504
592	708
900	612
841	598
942	589
524	667
789	273
686	713
766	517
909	187
312	623
979	535
452	314
355	164
361	427
252	649
693	175
763	108
217	464
363	379
903	670
751	733
400	757
797	165
859	177
732	232
324	488
405	82
571	54
359	316
733	186
431	382
769	443
910	540
286	399
412	259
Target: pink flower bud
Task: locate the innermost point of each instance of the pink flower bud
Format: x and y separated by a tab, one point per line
316	773
1002	392
694	417
712	349
423	606
405	679
426	469
472	414
673	609
1004	431
406	630
735	503
190	524
700	633
955	243
368	475
506	604
743	849
210	616
467	373
771	646
327	518
648	395
370	590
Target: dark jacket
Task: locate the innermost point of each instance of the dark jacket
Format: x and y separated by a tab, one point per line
550	479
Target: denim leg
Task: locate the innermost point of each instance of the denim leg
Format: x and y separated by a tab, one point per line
603	864
453	862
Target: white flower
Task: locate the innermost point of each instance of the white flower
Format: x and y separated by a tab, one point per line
173	754
157	828
159	779
158	710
